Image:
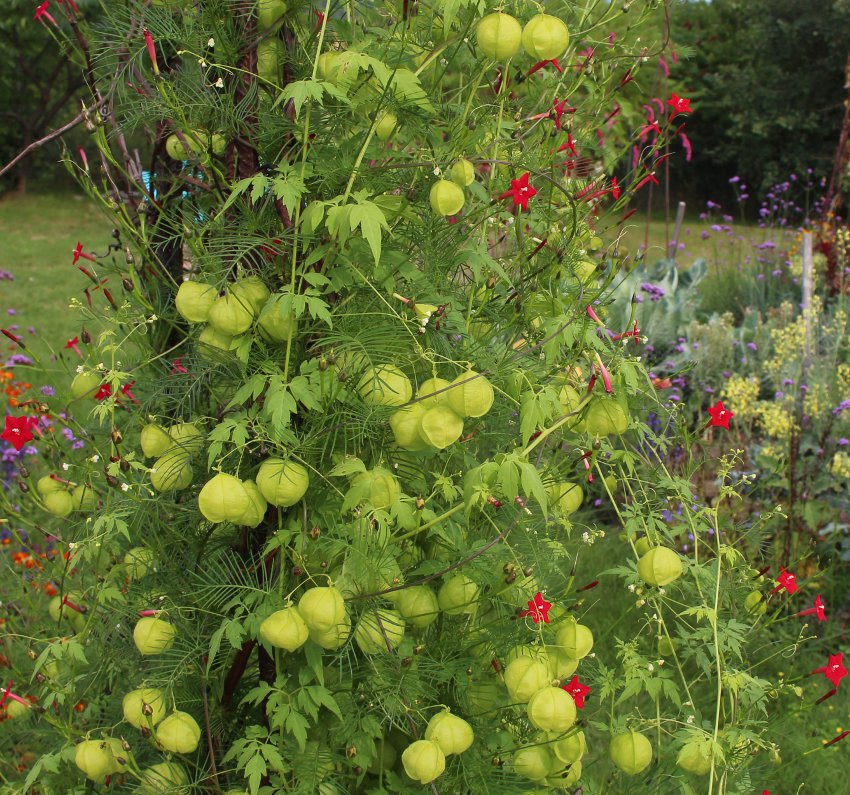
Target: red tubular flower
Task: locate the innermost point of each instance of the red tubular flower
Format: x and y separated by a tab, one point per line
125	390
41	13
835	740
16	339
819	609
834	670
104	392
577	690
177	368
78	253
787	581
650	177
540	64
72	345
720	415
559	109
17	431
520	192
151	51
569	145
615	188
679	104
538	609
72	4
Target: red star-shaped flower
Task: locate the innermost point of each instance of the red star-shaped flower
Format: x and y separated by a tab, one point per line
819	609
720	415
17	431
559	109
72	345
834	670
786	581
104	392
615	188
577	690
679	104
520	192
538	609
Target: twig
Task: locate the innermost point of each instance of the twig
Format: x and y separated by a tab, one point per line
209	733
51	136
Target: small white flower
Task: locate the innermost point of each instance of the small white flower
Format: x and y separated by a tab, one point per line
152	471
632	587
80	369
437	171
66	467
99	366
210	42
661	591
660	662
650	667
125	487
219	83
95	458
640	602
690	719
71	545
202	63
152	319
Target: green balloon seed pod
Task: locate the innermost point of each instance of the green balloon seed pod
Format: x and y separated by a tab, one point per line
471	395
172	471
754	604
385	385
155	440
164	778
571	748
322	608
695	757
545	37
211	340
404	424
561	665
334	638
153	635
251	291
230	315
383	489
379	631
194	301
48	485
282	483
631	752
258	506
453	734
95	759
386	124
440	427
570	400
423	761
143	707
524	676
285	629
418	605
552	709
433	392
458	595
605	416
59	503
270	55
660	566
270	13
223	498
575	640
179	733
446	197
536	762
276	323
462	173
85	385
499	36
565	498
186	437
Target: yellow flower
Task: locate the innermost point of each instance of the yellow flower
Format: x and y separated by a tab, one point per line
740	396
840	465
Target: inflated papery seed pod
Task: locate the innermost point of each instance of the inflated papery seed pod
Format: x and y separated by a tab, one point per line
453	734
552	709
282	483
223	498
194	301
536	762
144	707
499	36
545	37
660	566
322	608
574	639
423	761
446	197
471	395
631	752
285	629
178	733
153	635
379	631
524	676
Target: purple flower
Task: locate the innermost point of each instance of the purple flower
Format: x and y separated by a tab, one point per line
47	390
768	245
778	395
705	235
78	444
11	312
752	346
654	292
842	442
734	180
776	272
5	276
843	406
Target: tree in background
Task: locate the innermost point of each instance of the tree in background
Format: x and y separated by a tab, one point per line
767	79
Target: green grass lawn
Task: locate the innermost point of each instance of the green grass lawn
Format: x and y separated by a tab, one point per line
39	233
